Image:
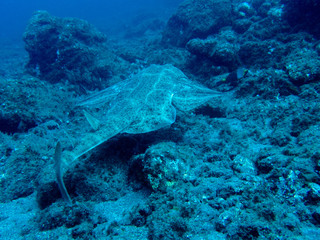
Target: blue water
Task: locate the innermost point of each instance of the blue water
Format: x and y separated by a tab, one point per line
14	15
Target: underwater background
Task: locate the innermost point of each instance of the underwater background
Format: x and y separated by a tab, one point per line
103	14
199	119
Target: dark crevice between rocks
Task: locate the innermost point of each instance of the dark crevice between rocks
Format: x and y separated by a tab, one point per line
15	125
210	112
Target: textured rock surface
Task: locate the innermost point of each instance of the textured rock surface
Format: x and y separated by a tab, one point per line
68	49
196	18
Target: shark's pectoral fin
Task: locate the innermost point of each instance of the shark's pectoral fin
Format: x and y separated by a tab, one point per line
94	123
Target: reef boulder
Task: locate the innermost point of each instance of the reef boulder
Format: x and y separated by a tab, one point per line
197	19
68	49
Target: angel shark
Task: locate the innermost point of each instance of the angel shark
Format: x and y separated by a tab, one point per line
146	102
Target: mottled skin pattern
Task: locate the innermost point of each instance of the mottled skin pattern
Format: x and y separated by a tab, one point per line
144	103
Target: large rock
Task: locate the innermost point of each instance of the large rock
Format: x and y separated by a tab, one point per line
303	66
197	19
68	49
221	49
